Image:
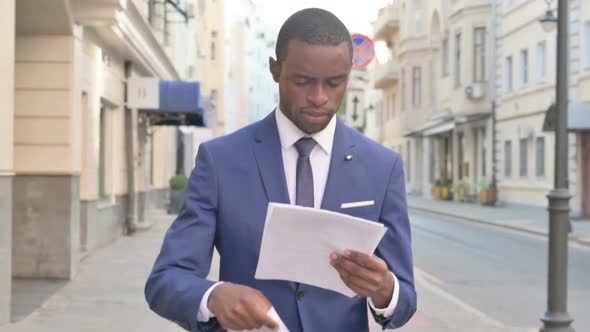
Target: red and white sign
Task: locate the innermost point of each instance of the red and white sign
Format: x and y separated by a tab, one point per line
363	50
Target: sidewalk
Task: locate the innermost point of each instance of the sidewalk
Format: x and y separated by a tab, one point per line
107	295
528	219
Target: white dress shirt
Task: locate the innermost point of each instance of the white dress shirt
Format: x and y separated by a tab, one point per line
320	157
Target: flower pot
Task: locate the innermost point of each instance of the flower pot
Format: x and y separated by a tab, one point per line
176	201
445	194
461	193
484	197
436	193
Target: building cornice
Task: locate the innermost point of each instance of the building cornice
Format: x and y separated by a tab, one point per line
122	27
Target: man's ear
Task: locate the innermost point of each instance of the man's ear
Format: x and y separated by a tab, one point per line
275	69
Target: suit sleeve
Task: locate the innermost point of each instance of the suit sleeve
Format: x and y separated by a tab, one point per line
178	281
396	247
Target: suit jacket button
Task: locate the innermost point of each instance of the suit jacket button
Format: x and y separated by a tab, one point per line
300	295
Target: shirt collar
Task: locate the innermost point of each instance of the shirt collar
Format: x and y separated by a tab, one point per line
289	133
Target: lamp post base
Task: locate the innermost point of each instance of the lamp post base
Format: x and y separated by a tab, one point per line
557	322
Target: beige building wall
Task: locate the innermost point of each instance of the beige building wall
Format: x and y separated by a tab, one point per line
583	93
425	28
465	17
7	86
164	167
7	32
386	76
211	54
471	138
101	91
44	128
45	155
520	117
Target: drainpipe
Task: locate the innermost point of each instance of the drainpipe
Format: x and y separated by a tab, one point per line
493	185
132	224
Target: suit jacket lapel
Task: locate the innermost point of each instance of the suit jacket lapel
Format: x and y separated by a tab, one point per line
269	157
341	168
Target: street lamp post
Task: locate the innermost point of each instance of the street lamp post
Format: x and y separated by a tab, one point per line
556	318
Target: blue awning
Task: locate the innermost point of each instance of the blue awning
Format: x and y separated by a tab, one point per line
179	97
180	104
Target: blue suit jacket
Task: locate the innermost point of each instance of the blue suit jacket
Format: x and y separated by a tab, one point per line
234	179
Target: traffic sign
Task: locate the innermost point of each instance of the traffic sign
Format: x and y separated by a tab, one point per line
363	50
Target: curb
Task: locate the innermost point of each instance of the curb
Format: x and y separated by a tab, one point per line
572	238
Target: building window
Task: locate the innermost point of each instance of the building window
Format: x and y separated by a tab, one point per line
392	105
479	55
102	152
408	161
540	157
431	160
541	61
418	30
445	57
508	75
508	159
403	89
458	59
484	159
523	157
524	68
587	44
213	41
461	143
417	86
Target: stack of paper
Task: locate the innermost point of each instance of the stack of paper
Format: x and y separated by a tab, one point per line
297	243
274	315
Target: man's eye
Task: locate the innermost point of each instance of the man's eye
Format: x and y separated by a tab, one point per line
334	83
301	81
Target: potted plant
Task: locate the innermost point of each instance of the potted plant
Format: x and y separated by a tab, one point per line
460	189
484	192
178	184
445	186
437	189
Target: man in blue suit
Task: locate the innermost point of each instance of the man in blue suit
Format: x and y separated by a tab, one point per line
300	154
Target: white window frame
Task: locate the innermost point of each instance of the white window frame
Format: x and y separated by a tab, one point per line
586	45
542	61
508	74
524	68
445	57
479	54
458	55
417	86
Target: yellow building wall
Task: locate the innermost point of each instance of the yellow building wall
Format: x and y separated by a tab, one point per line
43	128
102	84
164	147
212	70
7	88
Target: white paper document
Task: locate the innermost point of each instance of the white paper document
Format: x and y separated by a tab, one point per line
297	243
274	315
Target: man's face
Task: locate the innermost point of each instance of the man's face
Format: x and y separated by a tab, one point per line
312	81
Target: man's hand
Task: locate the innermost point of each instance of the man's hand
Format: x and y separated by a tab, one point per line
240	307
366	275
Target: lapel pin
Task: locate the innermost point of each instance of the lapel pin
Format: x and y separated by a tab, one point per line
348	157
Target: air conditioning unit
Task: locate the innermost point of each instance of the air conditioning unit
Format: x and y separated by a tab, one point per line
475	91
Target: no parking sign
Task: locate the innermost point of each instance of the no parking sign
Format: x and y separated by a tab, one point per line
363	50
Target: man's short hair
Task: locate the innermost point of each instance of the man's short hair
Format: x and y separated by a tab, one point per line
313	26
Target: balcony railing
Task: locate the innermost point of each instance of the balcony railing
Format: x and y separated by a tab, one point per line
386	74
386	23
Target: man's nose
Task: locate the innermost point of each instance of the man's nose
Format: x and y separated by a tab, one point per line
318	96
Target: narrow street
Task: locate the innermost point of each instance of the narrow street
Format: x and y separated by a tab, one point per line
498	272
469	278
